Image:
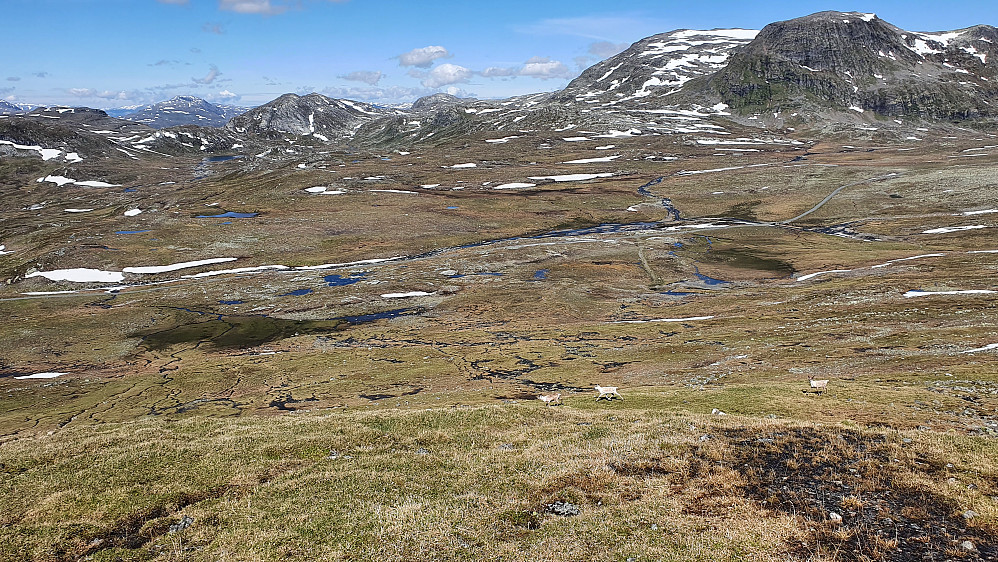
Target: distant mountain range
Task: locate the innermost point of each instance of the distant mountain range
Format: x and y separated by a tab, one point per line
181	110
826	69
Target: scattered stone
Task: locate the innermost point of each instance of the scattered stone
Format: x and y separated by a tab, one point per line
506	446
654	527
834	518
949	465
969	514
563	509
184	523
449	289
422	451
967	545
705	438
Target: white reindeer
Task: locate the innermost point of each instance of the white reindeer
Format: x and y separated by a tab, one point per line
550	399
818	386
607	392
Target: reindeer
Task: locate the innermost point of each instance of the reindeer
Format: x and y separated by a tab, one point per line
550	399
607	392
818	386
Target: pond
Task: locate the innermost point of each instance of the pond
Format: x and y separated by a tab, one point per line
341	281
296	293
229	215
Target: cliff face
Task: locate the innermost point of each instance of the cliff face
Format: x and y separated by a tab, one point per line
857	61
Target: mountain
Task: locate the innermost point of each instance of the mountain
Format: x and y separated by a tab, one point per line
183	110
857	62
657	65
8	108
316	115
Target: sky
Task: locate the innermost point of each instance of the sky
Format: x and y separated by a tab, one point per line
118	53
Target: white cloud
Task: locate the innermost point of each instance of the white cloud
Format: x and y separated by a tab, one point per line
252	7
606	49
545	69
263	7
537	67
213	73
423	57
101	94
446	74
387	94
371	77
226	95
494	71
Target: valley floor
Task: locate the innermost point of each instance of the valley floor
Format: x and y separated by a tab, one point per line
260	369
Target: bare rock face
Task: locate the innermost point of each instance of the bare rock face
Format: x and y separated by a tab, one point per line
858	62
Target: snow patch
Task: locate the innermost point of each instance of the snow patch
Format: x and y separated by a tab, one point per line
944	230
174	267
571	177
911	294
592	160
80	275
41	376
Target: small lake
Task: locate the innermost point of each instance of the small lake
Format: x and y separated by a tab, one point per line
709	280
341	281
296	293
228	215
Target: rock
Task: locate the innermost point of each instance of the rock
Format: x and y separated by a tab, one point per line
449	272
717	412
184	523
422	451
563	509
834	518
967	545
449	289
705	438
969	514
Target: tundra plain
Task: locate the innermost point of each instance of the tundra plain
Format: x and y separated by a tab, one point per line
360	382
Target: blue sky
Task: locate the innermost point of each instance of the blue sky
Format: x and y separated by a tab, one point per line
113	53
